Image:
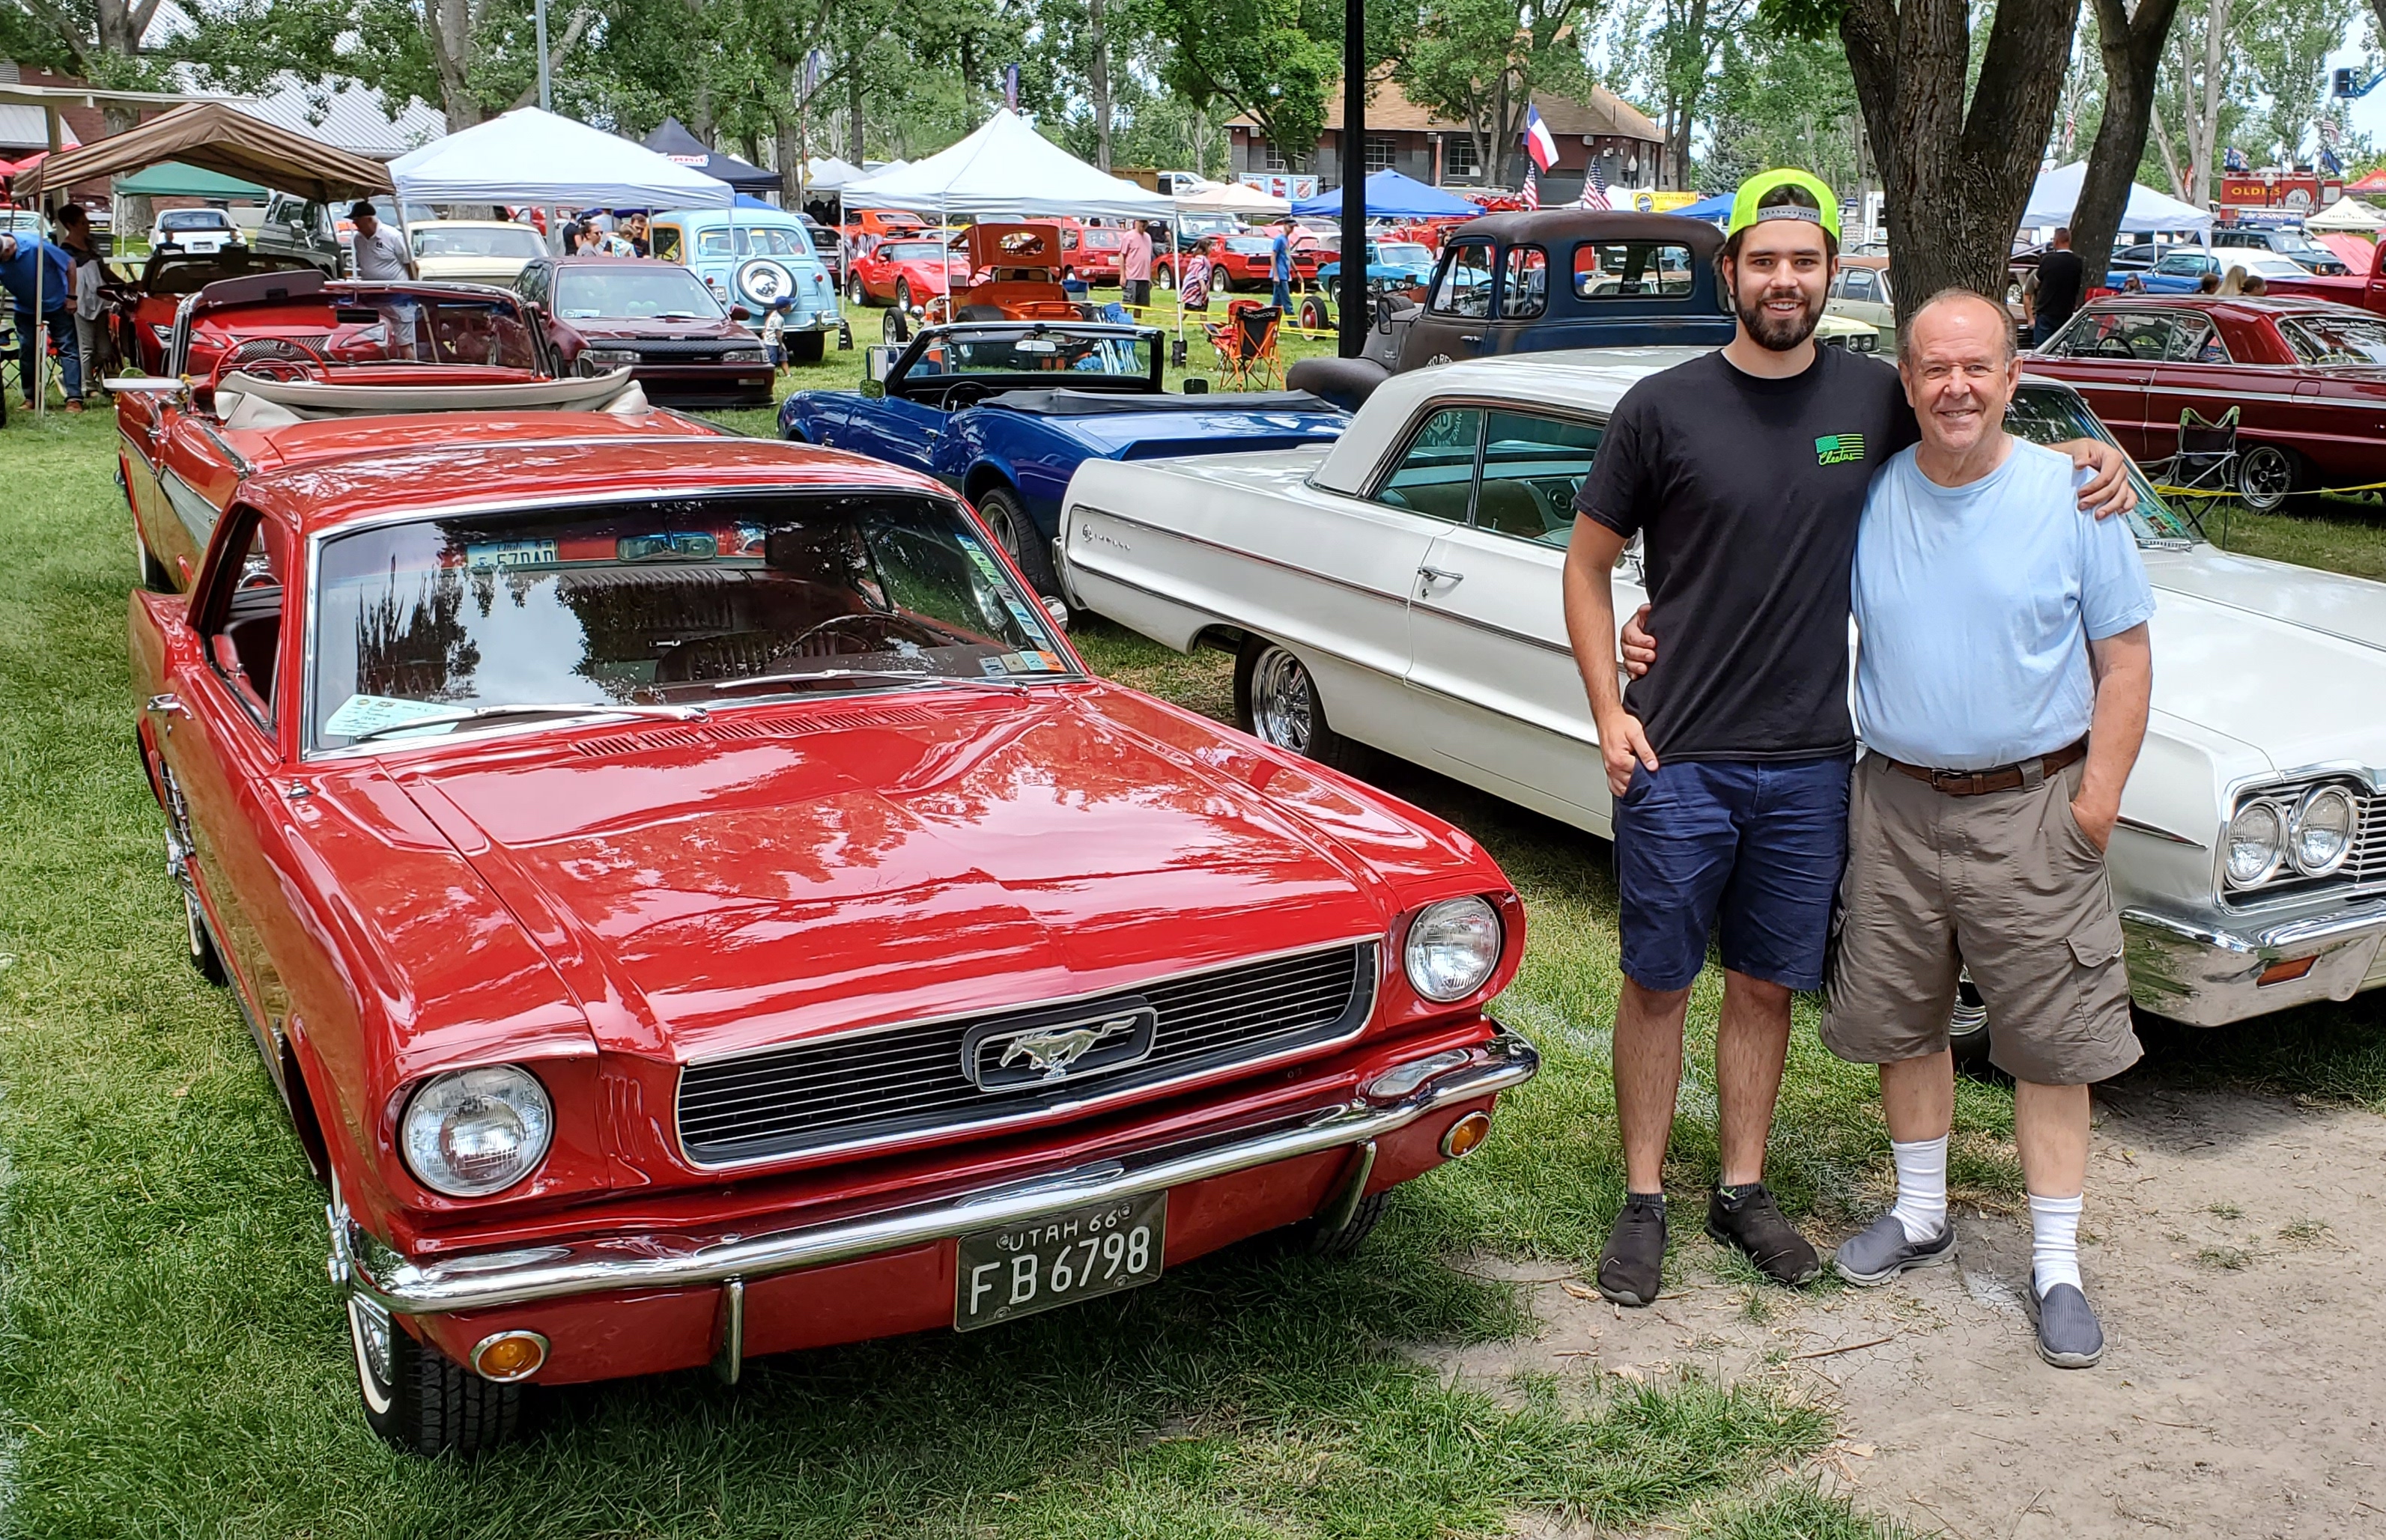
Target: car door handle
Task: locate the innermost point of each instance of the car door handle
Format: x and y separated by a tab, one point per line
168	705
1470	336
1434	575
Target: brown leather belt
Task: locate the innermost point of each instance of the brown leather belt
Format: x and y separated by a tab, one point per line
2004	777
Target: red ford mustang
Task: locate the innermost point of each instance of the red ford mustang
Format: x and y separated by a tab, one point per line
2307	378
904	271
695	905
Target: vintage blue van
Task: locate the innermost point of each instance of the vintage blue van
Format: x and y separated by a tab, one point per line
755	256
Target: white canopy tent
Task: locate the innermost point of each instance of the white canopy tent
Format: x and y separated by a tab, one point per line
1005	169
829	174
1232	197
2057	193
528	155
2347	214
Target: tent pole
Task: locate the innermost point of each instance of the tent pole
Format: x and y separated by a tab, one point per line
1352	300
39	386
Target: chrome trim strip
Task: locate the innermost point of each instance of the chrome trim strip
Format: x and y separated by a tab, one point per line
1375	985
239	462
2142	827
183	497
1369	592
665	1260
1500	631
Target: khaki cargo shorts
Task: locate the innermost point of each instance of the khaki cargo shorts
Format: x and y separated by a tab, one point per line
2005	884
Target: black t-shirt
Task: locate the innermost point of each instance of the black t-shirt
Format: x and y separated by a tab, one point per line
1746	493
2059	273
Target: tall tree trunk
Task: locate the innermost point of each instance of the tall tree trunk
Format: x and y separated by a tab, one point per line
1956	181
1099	87
2170	156
2207	121
447	27
787	149
854	141
2133	46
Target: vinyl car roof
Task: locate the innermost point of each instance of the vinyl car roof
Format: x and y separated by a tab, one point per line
317	477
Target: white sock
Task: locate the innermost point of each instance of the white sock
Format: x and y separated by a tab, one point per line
2054	1242
1921	1187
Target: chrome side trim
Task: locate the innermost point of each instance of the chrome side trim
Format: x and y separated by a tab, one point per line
1096	1097
653	1259
197	514
2158	832
1456	618
1146	524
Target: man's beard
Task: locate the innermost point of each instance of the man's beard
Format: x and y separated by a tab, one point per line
1778	334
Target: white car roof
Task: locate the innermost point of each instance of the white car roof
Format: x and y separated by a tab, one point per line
1589	379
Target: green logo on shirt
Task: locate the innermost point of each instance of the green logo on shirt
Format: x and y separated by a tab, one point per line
1838	449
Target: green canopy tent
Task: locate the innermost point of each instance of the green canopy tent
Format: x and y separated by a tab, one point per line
172	179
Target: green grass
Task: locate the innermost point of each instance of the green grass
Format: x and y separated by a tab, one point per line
172	1361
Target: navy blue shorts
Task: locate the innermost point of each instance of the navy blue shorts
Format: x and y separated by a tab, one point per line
1756	848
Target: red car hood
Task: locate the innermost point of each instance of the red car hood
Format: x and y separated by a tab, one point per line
782	873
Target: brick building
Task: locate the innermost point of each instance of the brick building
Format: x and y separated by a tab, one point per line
1413	141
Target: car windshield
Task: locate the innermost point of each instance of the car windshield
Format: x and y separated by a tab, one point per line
760	241
1404	253
1044	350
195	219
636	290
2051	414
670	602
1104	240
2339	335
2294	242
1194	226
505	241
1252	245
913	251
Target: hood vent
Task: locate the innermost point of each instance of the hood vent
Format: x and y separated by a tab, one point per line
747	728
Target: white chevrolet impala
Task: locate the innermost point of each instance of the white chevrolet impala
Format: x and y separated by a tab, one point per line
1399	589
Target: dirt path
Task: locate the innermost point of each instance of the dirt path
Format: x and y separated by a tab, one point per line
2238	1261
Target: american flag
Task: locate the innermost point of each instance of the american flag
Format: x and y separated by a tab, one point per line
1531	196
1594	188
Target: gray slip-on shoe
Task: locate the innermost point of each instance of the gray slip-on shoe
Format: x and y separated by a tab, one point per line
2068	1336
1881	1252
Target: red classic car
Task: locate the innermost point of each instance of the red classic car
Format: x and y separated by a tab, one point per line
905	270
1093	253
246	354
657	320
1247	261
695	905
2307	378
146	310
872	223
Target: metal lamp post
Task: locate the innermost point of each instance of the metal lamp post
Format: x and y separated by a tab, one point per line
1351	301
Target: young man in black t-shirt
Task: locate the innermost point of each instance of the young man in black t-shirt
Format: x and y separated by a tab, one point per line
1744	474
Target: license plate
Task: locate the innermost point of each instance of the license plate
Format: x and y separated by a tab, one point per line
1059	1259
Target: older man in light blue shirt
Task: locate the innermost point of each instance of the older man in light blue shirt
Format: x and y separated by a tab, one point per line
2003	681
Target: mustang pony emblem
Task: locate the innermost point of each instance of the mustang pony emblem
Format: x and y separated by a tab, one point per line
1053	1049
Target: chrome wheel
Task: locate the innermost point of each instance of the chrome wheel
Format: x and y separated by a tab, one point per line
2265	474
1284	708
1967	1025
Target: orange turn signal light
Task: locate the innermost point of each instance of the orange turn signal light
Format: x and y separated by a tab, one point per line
2286	972
1466	1135
509	1356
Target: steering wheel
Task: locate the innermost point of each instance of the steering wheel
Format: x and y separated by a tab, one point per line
964	392
2116	347
270	358
888	622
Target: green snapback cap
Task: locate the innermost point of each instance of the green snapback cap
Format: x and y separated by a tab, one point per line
1745	213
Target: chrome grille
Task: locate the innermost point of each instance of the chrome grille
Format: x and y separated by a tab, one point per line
906	1080
2367	862
2365	866
659	350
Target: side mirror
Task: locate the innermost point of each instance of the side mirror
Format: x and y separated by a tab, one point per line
739	312
1195	385
878	362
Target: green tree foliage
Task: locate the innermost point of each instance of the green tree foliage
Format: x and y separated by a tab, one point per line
1781	100
1272	60
1479	62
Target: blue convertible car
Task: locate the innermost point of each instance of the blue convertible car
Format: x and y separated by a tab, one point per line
1004	412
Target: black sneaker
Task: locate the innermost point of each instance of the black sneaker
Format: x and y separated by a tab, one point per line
1749	1219
1632	1266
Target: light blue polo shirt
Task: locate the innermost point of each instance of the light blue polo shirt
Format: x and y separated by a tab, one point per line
1974	605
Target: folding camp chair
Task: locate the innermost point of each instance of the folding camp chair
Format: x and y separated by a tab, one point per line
1246	344
2205	466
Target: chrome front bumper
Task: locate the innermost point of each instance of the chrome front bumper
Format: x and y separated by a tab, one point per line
668	1261
2206	976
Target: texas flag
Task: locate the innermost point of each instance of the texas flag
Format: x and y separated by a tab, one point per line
1540	142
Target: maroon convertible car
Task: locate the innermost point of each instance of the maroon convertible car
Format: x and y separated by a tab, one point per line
2308	377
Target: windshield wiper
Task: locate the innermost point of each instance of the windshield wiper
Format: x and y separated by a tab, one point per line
896	676
565	709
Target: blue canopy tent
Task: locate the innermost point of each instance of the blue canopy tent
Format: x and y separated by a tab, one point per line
1393	196
1709	209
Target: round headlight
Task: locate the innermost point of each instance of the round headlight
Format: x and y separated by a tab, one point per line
2321	835
2257	844
471	1133
1452	948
